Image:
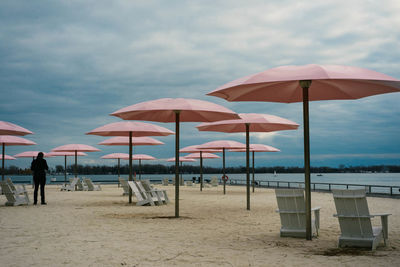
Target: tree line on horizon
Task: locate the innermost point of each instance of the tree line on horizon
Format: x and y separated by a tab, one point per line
192	169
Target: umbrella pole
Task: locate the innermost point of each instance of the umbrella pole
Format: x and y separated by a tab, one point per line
118	171
201	170
130	165
254	182
140	169
2	163
223	168
177	113
65	168
247	166
305	85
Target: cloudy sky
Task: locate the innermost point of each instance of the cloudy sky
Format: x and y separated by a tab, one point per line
66	65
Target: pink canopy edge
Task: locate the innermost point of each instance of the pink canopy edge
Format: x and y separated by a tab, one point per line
329	82
75	147
203	155
123	128
137	141
30	154
163	110
10	140
7	157
257	123
116	156
8	128
65	153
257	148
220	144
195	149
181	159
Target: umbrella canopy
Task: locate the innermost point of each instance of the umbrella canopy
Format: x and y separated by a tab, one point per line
131	129
222	144
256	148
8	128
75	148
203	155
250	122
116	156
289	84
31	154
181	159
137	141
176	110
9	140
65	154
7	157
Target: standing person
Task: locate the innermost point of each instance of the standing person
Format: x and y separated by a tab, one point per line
39	167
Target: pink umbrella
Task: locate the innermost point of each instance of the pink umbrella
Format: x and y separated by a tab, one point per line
137	141
181	159
196	149
7	157
176	110
131	129
290	84
222	144
9	140
257	148
30	154
8	128
75	148
65	154
250	122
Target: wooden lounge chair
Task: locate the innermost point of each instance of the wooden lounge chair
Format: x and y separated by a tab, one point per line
142	199
214	181
13	198
292	210
91	186
71	185
161	193
19	189
150	193
355	220
81	186
125	186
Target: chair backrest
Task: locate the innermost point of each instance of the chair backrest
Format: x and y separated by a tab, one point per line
146	185
8	192
89	184
136	191
10	183
79	184
291	207
214	181
124	184
353	214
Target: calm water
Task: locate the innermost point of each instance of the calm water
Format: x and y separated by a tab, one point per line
388	179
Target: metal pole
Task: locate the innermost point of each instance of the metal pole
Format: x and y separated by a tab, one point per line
305	85
65	168
254	182
223	168
201	170
248	165
140	169
2	163
130	166
177	112
76	163
118	169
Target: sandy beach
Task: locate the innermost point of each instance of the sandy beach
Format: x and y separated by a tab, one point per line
102	229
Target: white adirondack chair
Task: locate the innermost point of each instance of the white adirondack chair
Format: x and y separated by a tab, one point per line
71	185
91	186
124	185
141	199
13	198
165	181
292	210
151	194
81	186
355	220
18	189
214	181
162	194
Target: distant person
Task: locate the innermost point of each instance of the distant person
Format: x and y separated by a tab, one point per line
39	167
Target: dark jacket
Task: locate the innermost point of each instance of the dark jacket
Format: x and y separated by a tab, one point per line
39	167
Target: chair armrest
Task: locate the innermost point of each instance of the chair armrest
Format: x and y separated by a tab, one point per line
381	214
316	208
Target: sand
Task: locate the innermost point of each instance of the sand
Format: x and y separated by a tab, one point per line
102	229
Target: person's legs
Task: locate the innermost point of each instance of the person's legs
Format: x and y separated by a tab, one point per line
42	184
35	192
